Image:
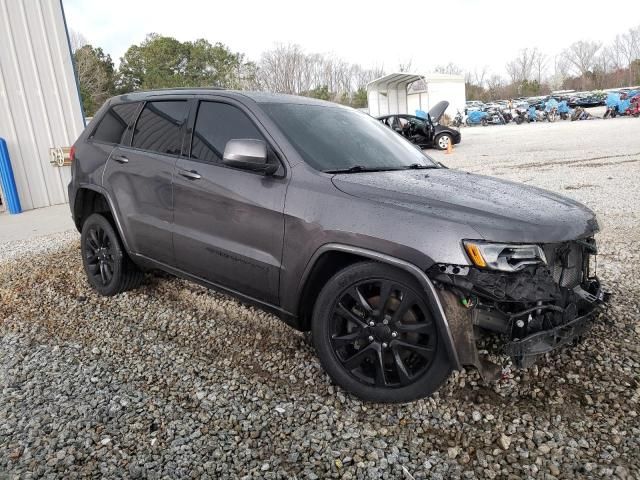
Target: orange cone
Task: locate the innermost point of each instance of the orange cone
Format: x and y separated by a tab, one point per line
450	147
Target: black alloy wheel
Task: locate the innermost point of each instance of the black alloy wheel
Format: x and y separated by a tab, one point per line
108	267
100	255
378	333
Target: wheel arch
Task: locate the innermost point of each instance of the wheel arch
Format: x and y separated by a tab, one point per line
95	199
333	257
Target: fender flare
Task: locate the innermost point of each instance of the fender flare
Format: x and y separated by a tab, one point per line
429	289
102	191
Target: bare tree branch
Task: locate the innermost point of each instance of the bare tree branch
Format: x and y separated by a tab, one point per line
450	69
581	55
77	40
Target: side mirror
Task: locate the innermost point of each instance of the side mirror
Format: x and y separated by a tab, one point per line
248	154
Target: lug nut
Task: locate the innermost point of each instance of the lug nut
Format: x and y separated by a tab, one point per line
372	324
370	338
394	334
384	345
385	321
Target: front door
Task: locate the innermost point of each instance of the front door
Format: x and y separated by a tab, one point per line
228	223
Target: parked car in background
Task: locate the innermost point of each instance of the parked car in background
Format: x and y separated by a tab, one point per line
424	132
472	105
331	221
586	100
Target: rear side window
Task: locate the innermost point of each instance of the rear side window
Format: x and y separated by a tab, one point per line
216	124
159	128
113	126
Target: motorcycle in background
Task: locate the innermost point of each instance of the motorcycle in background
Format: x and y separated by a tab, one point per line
619	103
457	120
550	110
612	102
634	109
495	117
563	110
520	116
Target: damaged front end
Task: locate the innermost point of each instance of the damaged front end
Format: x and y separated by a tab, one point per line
538	297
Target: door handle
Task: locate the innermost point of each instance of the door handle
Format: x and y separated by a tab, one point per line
190	174
120	159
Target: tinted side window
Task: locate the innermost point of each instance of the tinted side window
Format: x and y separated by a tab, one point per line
159	128
113	125
216	124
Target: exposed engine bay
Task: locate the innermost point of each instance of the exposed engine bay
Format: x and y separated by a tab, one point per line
542	306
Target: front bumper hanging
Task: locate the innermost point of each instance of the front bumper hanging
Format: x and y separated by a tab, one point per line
525	351
462	319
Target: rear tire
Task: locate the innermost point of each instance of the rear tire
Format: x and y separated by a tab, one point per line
108	267
374	333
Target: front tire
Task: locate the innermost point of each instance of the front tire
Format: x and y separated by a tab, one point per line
108	267
443	141
374	333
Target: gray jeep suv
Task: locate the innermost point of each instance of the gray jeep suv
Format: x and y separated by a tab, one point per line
337	225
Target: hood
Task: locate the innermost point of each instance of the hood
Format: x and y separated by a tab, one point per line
499	210
437	111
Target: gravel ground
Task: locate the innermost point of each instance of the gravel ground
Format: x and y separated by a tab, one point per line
176	381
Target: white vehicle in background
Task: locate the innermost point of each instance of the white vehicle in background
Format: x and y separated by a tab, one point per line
474	105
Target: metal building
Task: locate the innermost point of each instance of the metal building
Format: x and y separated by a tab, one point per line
397	93
40	105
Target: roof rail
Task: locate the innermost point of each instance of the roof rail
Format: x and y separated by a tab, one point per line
180	88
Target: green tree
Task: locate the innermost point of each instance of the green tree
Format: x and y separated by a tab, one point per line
321	93
529	88
360	99
164	62
95	77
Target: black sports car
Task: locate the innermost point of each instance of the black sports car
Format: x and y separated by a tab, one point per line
424	132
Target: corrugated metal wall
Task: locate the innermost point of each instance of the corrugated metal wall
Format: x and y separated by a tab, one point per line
39	102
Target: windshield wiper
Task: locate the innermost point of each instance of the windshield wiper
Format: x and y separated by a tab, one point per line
419	166
360	168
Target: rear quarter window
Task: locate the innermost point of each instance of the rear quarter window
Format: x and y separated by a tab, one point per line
114	124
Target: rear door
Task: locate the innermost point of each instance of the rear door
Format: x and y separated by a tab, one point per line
138	177
228	223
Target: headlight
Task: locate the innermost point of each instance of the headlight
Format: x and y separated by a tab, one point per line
505	257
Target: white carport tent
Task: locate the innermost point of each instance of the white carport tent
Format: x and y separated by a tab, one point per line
389	94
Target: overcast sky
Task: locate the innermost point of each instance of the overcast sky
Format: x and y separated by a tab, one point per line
372	33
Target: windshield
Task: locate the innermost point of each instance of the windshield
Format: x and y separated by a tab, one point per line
336	138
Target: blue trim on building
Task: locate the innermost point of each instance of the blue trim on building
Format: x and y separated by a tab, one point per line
7	180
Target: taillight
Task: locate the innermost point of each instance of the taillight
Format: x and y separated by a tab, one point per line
72	153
